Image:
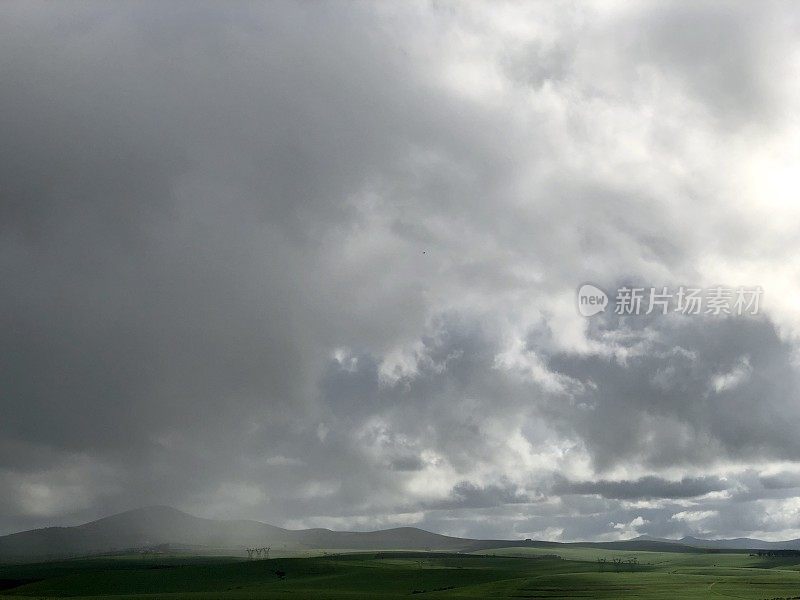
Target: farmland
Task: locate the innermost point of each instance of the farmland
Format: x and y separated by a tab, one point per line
503	573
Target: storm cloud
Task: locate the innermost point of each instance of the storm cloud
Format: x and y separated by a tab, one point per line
645	488
316	263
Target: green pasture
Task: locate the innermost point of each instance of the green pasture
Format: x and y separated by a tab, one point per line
501	573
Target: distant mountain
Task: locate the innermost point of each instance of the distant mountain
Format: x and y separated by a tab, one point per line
158	525
635	545
727	544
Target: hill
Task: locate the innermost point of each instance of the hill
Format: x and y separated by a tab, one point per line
159	525
726	544
163	525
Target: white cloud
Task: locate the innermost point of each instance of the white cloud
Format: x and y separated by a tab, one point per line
694	516
731	379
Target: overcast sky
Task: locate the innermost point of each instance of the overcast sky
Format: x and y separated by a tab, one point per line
316	264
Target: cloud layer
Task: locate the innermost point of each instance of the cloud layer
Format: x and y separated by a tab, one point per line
316	265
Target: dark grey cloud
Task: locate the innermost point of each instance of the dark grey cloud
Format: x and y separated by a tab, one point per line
644	488
315	264
469	495
407	463
781	481
688	391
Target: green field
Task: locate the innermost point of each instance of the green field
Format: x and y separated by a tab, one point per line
503	573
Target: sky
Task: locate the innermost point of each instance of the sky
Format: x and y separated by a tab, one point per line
316	264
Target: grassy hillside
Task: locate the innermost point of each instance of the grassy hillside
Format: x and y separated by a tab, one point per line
510	573
160	525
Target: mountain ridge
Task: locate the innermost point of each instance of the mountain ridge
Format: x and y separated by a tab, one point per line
740	543
167	526
160	525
